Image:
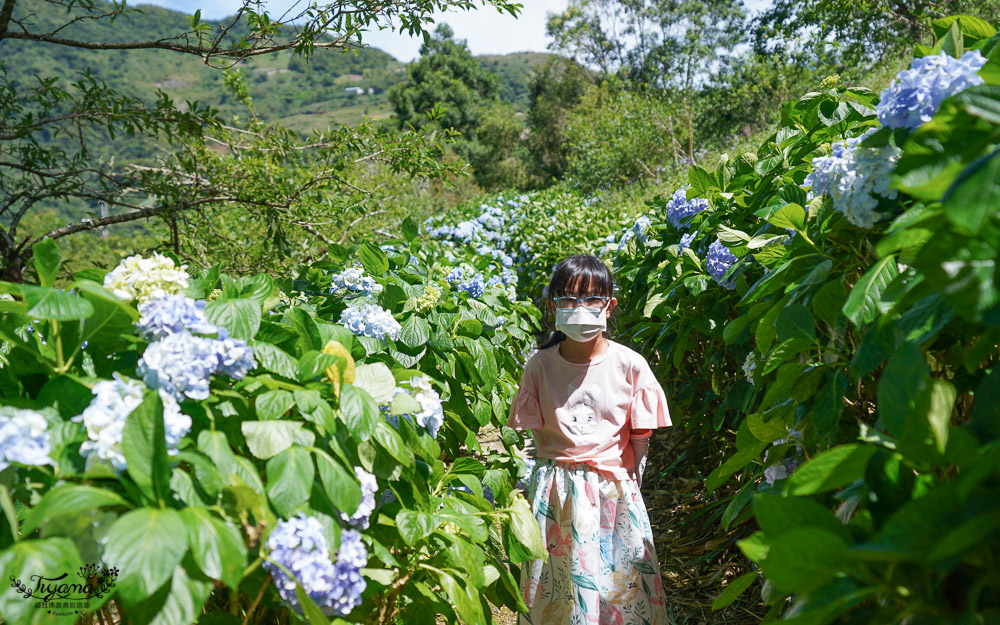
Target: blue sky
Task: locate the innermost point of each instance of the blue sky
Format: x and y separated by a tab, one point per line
485	30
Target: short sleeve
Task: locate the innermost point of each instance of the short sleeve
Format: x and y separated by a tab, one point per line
525	411
649	404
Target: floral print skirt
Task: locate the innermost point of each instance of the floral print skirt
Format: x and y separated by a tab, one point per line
602	566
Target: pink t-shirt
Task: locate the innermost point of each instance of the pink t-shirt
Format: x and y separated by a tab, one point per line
584	412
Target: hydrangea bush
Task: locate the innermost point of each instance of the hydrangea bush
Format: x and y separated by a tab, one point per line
850	366
213	442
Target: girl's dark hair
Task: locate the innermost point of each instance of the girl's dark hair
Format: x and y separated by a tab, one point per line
585	274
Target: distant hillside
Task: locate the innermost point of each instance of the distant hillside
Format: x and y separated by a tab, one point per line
303	94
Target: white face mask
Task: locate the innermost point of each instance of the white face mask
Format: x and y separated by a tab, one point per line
581	324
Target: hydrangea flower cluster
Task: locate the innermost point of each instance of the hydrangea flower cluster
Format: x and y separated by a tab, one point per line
686	240
114	400
426	301
24	437
431	415
679	208
144	279
181	364
781	469
354	279
369	486
299	546
172	314
749	365
465	278
371	320
718	262
499	255
855	177
916	93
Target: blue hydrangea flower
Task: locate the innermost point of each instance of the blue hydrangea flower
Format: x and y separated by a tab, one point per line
679	208
105	417
369	485
431	415
494	281
465	279
180	364
916	93
371	320
354	279
718	262
24	437
298	545
686	240
855	177
173	314
234	355
639	228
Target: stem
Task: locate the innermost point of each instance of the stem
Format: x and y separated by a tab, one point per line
256	600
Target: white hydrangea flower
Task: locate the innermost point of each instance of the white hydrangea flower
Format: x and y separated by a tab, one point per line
144	279
749	365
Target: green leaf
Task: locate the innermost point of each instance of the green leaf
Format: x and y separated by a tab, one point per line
830	469
373	259
942	401
314	616
112	318
240	317
409	229
47	257
359	411
734	328
377	379
777	515
290	477
523	538
975	194
340	485
414	331
464	597
313	364
390	440
146	545
795	321
145	450
789	216
902	388
69	499
275	360
829	404
273	404
784	351
267	439
862	302
414	525
51	557
734	463
733	590
46	303
803	558
216	546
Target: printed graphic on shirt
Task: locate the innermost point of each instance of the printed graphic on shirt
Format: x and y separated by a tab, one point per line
582	407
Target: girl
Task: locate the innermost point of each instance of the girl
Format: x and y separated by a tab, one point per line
590	404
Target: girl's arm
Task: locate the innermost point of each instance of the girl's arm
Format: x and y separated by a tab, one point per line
639	441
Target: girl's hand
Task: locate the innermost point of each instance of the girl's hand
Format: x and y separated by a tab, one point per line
639	441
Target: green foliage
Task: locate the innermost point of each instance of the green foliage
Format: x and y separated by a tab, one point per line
859	354
279	441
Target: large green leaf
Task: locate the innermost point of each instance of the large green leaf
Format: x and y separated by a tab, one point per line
377	379
414	331
358	410
523	535
902	390
69	499
267	439
180	600
290	477
217	546
49	557
803	558
975	194
390	440
146	545
830	469
795	321
733	590
47	258
777	515
273	404
49	303
373	259
240	317
276	360
145	450
414	525
340	484
861	306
